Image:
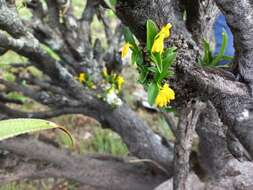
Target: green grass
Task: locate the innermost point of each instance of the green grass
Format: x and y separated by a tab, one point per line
89	136
17	186
104	141
78	6
163	128
46	184
11	57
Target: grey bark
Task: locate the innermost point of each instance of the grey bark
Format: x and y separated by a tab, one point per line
39	160
229	100
239	16
183	145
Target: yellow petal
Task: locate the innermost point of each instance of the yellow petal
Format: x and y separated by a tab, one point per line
125	50
120	81
82	77
171	94
158	45
104	72
165	95
165	30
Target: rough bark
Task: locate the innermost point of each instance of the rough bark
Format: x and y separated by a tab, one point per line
229	100
59	90
200	17
240	19
38	160
183	145
230	97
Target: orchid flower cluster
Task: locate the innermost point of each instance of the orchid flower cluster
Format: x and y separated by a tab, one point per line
158	67
113	88
111	85
85	79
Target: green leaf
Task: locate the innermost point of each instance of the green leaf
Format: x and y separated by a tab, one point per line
153	90
227	58
168	60
207	53
129	36
220	55
170	73
143	74
134	57
153	69
13	127
157	60
168	51
152	30
51	52
16	96
169	110
9	76
111	3
143	77
137	57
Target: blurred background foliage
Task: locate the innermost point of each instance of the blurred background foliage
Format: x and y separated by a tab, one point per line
89	136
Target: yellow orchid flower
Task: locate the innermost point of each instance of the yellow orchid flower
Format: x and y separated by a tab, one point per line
165	30
158	44
165	95
82	77
105	72
125	49
120	81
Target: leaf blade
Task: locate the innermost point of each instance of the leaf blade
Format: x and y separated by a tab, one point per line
152	30
14	127
153	90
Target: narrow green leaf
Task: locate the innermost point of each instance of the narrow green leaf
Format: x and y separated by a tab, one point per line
134	57
143	77
16	96
111	3
129	36
158	61
169	110
206	59
13	127
143	73
139	58
168	51
152	30
153	69
168	61
153	90
227	58
220	55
